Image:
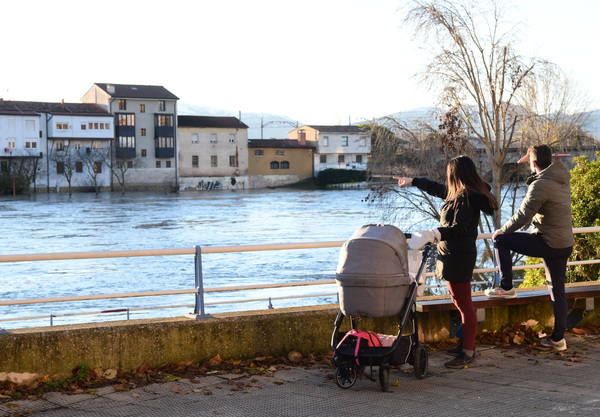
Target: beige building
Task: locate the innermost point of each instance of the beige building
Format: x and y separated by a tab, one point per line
145	132
276	162
213	153
345	147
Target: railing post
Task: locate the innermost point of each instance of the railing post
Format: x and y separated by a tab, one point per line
199	312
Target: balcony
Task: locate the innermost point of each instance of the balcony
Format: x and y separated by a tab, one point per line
163	131
125	153
125	131
164	152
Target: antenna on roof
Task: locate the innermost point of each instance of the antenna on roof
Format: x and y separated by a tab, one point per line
349	122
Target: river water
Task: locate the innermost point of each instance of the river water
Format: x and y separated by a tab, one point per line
107	222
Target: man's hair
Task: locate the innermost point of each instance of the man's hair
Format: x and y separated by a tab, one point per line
541	154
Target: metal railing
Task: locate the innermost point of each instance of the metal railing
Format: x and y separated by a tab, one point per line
199	291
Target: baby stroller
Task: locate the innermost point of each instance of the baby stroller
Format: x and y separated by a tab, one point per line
373	281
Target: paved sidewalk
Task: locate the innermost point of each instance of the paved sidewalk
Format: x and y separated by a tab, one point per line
501	382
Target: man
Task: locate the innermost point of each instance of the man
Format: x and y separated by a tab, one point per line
547	206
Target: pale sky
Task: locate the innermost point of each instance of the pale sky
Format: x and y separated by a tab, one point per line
318	62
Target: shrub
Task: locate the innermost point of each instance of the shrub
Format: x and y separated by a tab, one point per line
339	176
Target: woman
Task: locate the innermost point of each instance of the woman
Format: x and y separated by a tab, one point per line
465	195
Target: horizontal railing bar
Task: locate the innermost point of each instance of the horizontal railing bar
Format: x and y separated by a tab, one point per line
205	250
269	298
266	286
58	256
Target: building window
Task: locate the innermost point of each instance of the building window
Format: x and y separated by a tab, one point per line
96	126
98	167
31	144
162	105
195	138
34	144
77	146
344	140
259	152
60	167
340	159
213	161
279	152
168	164
285	165
60	145
157	164
142	108
164	119
323	159
232	161
232	138
194	161
97	144
107	126
83	126
325	140
274	165
359	159
27	145
143	131
12	143
62	126
130	164
165	142
122	104
126	142
78	166
144	153
91	125
125	119
363	141
213	138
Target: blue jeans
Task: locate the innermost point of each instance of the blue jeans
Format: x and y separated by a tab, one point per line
555	262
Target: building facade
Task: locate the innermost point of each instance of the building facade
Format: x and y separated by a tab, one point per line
344	147
277	162
213	153
61	145
145	148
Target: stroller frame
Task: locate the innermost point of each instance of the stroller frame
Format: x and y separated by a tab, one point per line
349	367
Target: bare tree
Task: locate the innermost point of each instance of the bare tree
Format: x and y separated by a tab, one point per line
64	155
94	159
119	171
479	72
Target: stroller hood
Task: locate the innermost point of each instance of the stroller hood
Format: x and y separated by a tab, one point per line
372	273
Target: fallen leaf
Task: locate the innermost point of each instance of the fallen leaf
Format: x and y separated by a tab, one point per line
279	382
136	395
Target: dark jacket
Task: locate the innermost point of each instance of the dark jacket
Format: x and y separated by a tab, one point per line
547	206
457	252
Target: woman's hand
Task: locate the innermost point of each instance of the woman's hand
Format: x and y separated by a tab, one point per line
403	181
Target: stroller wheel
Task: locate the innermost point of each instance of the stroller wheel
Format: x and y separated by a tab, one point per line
346	376
421	359
384	378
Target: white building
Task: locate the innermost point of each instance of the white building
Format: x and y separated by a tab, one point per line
344	147
51	139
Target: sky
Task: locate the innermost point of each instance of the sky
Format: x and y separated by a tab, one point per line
319	62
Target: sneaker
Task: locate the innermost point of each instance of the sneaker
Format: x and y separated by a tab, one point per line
460	361
549	343
500	292
457	350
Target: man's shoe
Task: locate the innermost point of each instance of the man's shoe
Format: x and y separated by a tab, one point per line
549	343
500	292
460	361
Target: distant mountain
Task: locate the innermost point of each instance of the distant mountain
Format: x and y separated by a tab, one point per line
274	126
592	123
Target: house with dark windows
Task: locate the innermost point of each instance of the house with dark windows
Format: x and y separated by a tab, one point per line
345	147
59	146
277	162
213	153
145	148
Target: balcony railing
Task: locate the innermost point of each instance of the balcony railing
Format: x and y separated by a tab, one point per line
199	291
164	152
166	131
125	153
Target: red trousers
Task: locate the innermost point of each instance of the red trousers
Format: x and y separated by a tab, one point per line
461	297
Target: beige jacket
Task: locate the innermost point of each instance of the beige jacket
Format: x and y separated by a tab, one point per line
547	206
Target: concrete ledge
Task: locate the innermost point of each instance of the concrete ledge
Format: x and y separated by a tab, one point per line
126	345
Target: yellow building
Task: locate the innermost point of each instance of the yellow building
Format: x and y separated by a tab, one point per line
279	161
